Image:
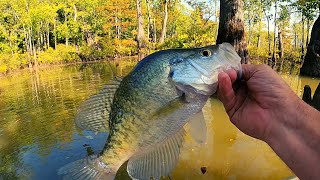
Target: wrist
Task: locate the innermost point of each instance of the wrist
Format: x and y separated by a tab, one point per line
296	139
293	117
284	115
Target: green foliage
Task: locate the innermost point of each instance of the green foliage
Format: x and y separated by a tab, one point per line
191	30
12	61
61	54
126	47
3	68
53	31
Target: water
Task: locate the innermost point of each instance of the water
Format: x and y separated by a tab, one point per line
38	136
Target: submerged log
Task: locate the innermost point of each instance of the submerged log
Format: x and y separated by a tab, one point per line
316	98
306	97
313	101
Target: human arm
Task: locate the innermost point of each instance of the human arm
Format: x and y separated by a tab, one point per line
266	108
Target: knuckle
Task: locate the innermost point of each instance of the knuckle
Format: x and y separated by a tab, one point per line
264	66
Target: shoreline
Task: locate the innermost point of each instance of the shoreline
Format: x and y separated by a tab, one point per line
253	60
43	66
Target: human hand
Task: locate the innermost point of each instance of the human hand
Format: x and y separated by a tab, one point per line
262	101
266	108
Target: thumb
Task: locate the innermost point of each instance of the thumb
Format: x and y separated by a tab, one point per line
226	93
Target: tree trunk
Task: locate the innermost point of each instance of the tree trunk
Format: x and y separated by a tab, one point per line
10	44
302	43
27	43
155	30
295	40
33	48
268	26
149	19
117	25
249	30
67	40
231	27
55	33
308	31
48	37
269	39
165	20
89	38
65	21
274	57
151	27
311	65
259	35
30	41
258	41
38	43
141	39
280	47
75	12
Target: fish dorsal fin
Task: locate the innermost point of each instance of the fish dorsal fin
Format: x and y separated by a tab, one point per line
93	114
157	161
197	128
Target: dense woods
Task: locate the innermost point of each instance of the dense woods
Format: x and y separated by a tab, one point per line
34	32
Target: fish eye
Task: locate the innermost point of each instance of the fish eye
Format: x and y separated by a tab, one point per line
205	53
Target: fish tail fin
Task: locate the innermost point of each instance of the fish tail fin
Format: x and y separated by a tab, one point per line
89	168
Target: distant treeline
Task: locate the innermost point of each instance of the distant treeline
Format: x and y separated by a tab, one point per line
34	32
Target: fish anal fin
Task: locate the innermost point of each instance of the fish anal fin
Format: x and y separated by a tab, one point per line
197	128
90	168
93	114
158	161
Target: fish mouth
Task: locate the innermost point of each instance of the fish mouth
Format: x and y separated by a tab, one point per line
202	89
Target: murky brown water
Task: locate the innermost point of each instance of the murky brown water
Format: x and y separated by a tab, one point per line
38	136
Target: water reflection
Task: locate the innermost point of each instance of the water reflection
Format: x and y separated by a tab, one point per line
37	108
37	133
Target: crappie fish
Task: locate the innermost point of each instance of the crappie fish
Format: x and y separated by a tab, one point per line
146	112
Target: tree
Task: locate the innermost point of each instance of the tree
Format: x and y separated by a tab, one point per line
253	16
141	39
282	23
231	27
266	4
274	57
151	26
311	65
165	20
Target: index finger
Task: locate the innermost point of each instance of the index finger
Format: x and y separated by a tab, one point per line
232	74
248	70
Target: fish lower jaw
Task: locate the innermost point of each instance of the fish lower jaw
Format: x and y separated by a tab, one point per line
205	89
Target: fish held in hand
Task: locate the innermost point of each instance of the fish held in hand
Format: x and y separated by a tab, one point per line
146	112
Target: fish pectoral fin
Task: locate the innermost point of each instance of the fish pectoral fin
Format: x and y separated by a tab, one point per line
93	114
90	168
157	161
169	108
197	128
